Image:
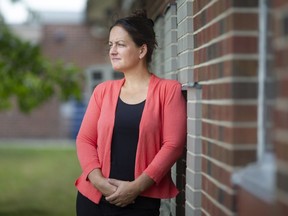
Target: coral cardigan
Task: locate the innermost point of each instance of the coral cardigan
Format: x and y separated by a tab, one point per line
162	135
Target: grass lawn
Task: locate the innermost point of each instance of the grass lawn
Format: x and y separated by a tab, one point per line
38	181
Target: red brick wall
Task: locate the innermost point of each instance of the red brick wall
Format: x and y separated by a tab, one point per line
280	141
75	44
225	64
44	122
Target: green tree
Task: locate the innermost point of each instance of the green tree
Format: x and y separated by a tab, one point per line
30	79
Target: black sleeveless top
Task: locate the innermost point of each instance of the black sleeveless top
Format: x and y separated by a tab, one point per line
125	140
124	147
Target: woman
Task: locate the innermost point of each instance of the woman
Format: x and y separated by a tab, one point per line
133	130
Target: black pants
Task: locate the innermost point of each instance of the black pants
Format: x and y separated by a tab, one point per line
85	207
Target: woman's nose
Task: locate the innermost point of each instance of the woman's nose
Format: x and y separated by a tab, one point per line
113	49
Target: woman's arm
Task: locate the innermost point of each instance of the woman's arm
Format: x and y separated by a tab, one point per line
173	135
86	141
101	183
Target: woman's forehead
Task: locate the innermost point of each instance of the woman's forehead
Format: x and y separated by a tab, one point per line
119	33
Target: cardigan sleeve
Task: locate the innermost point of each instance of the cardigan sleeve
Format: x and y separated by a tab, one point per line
173	135
86	141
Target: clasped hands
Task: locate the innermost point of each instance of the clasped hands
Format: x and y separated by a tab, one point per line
117	192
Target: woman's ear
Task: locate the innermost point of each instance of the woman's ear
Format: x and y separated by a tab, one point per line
143	51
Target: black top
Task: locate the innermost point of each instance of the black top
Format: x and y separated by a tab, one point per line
125	140
124	147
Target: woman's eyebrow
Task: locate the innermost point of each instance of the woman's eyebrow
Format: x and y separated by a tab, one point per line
117	41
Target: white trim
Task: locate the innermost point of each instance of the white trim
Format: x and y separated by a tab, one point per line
229	102
259	178
219	184
262	74
229	146
226	167
231	124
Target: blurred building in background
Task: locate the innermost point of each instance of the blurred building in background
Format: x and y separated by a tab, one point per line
66	37
231	58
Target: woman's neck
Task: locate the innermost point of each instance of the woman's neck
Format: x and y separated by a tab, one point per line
137	79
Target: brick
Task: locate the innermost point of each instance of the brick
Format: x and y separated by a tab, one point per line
192	211
230	90
194	94
281	181
282	87
199	4
194	197
245	3
185	27
84	54
211	208
237	68
218	173
170	37
194	162
185	43
184	10
245	90
281	150
281	60
170	23
44	122
244	157
186	59
235	45
282	207
236	113
218	194
170	51
244	44
194	127
194	110
193	179
246	68
185	76
278	3
228	156
194	145
280	118
211	13
242	22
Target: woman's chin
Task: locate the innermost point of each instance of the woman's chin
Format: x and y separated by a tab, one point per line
115	68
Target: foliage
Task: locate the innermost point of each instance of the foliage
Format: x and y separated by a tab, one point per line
30	79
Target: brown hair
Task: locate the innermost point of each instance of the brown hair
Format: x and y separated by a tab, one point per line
140	29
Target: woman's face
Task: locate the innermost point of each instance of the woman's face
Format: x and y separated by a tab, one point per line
124	54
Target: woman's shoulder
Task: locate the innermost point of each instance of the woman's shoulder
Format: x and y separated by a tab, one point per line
164	82
108	84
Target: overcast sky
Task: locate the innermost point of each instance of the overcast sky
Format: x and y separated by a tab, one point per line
15	13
